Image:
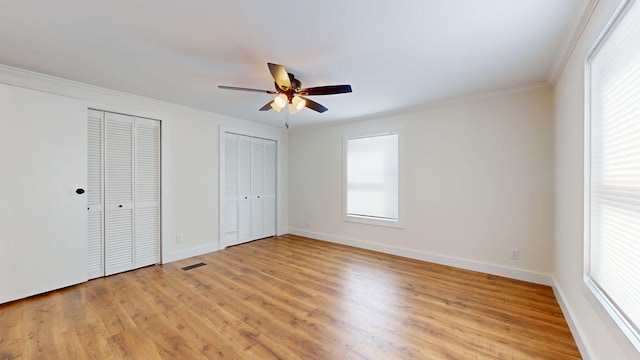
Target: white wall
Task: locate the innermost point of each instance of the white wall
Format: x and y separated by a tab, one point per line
478	182
190	158
598	336
42	223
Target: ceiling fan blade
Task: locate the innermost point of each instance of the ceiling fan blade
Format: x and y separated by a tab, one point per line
280	76
266	106
314	105
245	89
326	90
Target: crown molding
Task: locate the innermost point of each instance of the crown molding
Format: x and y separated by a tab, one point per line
570	40
59	86
539	86
542	85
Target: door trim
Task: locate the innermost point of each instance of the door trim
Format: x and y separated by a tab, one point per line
164	171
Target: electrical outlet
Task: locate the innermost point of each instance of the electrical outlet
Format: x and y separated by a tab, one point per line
179	239
515	253
307	223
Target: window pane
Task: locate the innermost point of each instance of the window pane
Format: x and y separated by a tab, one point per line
614	192
372	176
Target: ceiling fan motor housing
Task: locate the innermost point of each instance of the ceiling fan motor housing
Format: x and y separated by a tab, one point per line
295	83
293	90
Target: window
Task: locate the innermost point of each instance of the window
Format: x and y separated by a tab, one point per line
612	165
371	178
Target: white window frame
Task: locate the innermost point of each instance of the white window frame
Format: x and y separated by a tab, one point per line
608	304
370	132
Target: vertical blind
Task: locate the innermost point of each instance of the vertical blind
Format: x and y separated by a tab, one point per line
372	177
614	191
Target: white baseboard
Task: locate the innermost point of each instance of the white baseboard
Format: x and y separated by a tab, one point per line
499	270
585	350
183	254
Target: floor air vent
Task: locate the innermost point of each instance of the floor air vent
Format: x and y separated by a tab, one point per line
193	266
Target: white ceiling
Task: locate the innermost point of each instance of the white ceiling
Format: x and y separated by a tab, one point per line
395	54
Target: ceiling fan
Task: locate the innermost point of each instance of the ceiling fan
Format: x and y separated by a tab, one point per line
289	92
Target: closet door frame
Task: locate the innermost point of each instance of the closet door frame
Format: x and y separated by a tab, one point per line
221	171
165	130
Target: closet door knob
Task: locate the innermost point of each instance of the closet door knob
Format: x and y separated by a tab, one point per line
258	196
79	191
119	206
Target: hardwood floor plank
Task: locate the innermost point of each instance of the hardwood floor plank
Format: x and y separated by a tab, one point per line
205	335
290	298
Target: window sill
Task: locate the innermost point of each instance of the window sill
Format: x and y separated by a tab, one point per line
373	221
624	325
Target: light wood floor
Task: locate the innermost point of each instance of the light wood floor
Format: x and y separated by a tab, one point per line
290	298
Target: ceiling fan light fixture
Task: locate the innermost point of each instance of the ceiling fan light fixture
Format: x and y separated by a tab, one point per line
296	105
280	101
299	103
275	107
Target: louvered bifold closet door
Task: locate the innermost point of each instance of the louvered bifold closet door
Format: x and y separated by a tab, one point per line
95	241
269	189
119	131
147	192
230	209
244	188
248	210
257	186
